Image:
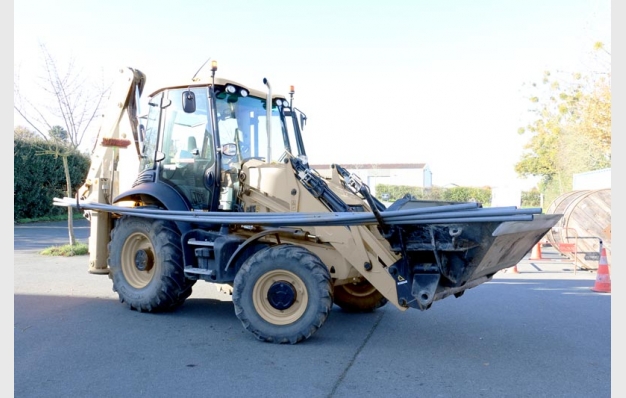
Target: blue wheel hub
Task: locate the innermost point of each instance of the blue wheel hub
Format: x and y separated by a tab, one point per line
281	295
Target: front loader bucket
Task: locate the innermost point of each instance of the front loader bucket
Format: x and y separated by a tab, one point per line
446	258
510	242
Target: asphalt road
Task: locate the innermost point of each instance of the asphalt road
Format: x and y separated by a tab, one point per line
41	235
540	333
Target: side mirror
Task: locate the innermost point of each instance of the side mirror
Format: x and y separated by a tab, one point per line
229	149
189	101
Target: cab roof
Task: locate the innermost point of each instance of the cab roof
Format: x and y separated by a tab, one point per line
219	81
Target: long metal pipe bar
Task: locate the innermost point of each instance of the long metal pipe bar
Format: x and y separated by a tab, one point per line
446	211
399	217
424	210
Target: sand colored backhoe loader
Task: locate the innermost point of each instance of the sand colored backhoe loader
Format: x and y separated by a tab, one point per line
213	184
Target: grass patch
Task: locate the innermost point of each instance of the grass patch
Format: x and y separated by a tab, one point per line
75	216
79	249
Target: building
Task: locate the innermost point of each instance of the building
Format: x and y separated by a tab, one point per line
372	174
596	179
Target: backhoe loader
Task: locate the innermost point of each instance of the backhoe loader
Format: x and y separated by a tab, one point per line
213	184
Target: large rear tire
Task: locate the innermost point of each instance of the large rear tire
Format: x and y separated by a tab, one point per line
146	265
358	297
283	294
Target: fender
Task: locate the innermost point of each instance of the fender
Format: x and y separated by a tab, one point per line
162	193
280	231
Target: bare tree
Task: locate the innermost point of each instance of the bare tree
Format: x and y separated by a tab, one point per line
61	113
24	133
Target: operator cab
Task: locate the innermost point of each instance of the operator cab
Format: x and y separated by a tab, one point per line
197	137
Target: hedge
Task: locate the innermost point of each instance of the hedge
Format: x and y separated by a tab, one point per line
456	194
39	178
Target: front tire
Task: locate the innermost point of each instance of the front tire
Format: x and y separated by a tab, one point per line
146	265
283	294
358	297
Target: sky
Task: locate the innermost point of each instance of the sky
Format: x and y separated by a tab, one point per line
435	82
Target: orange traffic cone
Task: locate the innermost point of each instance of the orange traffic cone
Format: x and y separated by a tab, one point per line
535	254
603	279
512	270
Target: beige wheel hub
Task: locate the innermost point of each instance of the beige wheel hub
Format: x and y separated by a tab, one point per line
280	297
138	260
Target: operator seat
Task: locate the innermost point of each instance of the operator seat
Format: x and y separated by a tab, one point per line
192	146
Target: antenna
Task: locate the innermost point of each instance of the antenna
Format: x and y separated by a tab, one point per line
196	74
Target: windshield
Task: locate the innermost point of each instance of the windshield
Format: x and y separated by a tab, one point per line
242	120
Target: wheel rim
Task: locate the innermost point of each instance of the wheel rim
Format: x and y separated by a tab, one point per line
138	260
280	297
359	289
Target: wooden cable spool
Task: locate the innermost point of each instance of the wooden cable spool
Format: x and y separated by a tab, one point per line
586	224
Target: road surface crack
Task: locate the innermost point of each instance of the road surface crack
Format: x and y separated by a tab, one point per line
356	354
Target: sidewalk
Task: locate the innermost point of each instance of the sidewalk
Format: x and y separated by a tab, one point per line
551	265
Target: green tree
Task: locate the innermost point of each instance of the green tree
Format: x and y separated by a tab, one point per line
570	127
58	133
